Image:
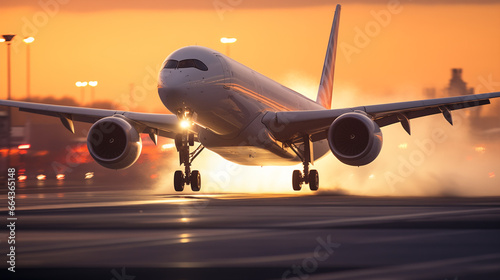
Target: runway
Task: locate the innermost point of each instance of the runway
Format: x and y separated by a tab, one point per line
91	232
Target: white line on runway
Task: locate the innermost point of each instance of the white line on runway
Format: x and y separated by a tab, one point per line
109	204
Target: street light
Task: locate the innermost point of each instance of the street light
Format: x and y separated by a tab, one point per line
228	42
82	85
8	38
92	85
28	41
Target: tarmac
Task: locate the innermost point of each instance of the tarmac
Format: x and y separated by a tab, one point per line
92	232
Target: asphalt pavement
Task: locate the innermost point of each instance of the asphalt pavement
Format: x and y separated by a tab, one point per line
93	232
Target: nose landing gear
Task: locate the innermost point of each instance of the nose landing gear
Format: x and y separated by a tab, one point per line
183	142
188	177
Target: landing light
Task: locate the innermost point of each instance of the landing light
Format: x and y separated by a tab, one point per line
22	178
60	176
185	124
41	177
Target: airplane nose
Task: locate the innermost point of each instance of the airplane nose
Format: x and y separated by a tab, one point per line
173	88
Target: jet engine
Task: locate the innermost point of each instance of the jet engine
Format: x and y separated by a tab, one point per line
355	139
114	143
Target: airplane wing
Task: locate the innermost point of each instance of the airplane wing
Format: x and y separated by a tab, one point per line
292	125
166	125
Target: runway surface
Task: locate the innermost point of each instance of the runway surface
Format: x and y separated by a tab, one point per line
91	232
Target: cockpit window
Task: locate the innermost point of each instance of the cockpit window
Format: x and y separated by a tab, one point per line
171	64
200	65
186	63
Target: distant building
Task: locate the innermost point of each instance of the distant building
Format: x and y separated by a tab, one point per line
457	86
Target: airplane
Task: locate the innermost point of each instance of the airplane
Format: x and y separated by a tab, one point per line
246	118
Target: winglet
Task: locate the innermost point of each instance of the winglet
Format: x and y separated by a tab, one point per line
326	84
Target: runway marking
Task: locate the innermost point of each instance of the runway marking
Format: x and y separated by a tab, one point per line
415	269
173	199
108	204
385	218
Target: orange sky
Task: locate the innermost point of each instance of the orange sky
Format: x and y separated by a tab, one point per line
416	48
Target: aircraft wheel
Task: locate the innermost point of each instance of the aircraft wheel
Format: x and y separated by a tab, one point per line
179	181
313	180
296	180
195	181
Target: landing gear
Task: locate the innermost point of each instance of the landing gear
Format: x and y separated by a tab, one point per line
313	180
195	181
297	180
179	181
308	177
188	177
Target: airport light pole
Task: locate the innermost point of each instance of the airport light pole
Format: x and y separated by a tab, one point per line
92	85
8	38
28	41
82	85
227	42
7	157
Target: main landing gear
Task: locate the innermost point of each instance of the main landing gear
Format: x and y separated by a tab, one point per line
306	176
188	177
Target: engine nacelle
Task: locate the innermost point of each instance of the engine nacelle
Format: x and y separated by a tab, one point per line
114	143
355	139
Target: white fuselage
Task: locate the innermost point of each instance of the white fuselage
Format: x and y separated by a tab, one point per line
229	100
